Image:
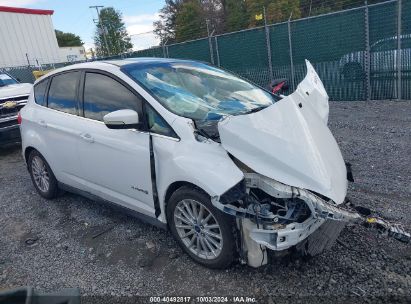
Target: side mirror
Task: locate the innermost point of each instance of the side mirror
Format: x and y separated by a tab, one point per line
121	119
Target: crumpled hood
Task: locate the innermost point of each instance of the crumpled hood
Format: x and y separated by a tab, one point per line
15	90
290	141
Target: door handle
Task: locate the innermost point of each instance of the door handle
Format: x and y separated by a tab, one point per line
43	123
87	137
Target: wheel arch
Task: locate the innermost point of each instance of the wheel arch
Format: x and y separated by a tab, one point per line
27	152
173	187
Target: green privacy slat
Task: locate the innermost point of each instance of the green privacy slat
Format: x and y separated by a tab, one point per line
334	43
406	49
198	50
383	48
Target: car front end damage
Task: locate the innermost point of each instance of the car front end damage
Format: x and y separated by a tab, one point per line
293	194
271	215
275	216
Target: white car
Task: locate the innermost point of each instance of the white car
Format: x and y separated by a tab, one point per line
229	168
13	97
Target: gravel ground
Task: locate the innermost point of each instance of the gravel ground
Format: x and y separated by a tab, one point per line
134	258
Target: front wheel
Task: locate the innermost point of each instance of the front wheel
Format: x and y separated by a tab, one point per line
202	231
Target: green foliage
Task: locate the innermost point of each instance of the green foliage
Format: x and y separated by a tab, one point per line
186	19
115	31
281	10
67	39
255	7
165	27
236	17
190	23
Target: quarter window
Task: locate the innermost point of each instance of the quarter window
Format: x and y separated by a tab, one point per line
103	95
157	124
40	92
63	91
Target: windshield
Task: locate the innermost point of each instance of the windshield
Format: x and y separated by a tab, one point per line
6	80
198	91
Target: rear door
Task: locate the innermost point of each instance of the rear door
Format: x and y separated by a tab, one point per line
57	124
115	164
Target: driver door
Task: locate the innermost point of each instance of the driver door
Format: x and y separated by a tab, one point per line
115	164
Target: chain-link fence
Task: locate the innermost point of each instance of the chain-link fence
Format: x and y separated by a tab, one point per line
24	73
362	53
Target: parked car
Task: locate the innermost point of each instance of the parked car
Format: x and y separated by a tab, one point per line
13	97
383	58
229	168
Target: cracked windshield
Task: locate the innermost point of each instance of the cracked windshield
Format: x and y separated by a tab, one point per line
199	91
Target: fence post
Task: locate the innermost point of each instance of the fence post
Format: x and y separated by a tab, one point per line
367	53
164	51
399	59
291	53
216	50
268	43
210	44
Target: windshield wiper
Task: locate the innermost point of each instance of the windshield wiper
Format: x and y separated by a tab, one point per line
255	110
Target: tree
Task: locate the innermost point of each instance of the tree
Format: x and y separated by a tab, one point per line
116	40
165	27
213	12
276	11
235	15
67	39
281	10
190	21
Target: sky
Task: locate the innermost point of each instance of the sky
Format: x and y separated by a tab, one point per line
76	17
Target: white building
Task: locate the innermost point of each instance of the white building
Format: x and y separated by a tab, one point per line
72	53
27	37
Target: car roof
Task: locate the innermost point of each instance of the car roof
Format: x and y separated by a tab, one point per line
144	60
101	64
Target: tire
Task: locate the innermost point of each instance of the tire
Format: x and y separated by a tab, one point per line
42	176
353	71
209	250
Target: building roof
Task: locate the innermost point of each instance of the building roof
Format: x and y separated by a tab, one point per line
30	11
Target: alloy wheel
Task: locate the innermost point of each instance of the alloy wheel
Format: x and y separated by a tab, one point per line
40	174
198	229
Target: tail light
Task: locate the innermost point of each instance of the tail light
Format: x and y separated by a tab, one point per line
19	119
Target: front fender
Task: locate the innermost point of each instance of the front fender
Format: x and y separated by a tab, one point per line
204	164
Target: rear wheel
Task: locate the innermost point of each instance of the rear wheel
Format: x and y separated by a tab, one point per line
43	178
204	232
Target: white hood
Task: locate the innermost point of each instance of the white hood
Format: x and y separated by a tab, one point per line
290	141
15	90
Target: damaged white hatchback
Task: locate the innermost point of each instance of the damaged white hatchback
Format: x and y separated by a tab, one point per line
229	168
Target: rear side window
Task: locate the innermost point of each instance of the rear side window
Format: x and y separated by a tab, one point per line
103	95
40	93
63	91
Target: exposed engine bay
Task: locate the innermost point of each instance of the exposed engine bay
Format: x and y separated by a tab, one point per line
277	216
294	189
271	215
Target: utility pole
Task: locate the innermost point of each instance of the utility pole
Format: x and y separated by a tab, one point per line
103	29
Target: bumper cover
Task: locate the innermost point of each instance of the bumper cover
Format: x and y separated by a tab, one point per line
10	134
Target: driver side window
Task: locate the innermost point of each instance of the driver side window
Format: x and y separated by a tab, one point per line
103	94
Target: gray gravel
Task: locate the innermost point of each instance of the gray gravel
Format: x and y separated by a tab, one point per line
133	258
